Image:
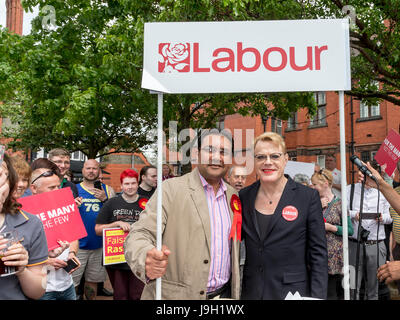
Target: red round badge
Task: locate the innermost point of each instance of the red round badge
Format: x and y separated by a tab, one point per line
290	213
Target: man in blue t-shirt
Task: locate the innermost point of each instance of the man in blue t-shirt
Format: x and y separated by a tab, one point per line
90	247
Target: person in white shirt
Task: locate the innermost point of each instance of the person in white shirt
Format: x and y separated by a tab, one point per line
372	244
59	282
330	164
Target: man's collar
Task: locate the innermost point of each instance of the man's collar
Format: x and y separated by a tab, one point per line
206	184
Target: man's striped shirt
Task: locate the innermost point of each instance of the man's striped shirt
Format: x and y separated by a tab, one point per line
220	221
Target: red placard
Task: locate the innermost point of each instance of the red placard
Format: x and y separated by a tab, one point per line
59	214
389	152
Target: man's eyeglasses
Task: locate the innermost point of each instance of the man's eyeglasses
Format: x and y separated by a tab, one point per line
264	157
212	150
44	174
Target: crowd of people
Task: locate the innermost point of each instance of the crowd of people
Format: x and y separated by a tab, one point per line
221	238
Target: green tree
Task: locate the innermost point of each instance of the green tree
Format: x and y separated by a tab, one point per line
375	40
76	84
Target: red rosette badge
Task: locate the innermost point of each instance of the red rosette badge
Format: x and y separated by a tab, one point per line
143	202
236	207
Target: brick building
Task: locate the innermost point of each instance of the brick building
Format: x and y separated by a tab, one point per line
309	140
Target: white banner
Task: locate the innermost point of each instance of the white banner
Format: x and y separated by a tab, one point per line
247	56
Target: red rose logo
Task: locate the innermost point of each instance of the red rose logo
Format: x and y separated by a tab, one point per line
174	57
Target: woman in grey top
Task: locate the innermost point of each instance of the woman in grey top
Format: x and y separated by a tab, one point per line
30	254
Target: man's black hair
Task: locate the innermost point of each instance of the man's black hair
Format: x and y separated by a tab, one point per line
202	133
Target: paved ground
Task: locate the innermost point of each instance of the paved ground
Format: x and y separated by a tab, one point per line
394	293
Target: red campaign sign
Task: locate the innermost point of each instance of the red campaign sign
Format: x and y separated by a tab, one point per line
59	214
389	152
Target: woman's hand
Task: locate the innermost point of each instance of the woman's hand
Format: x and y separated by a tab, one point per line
57	251
330	227
125	226
56	263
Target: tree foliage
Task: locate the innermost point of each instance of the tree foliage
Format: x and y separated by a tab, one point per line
77	84
375	40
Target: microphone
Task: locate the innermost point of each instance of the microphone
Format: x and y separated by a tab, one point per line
363	168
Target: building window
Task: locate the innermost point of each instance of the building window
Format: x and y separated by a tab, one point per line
319	119
292	121
34	155
276	125
365	156
220	125
369	111
320	98
137	160
78	156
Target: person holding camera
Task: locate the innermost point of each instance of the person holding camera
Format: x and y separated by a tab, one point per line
372	248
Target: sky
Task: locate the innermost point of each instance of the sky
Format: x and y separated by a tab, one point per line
27	17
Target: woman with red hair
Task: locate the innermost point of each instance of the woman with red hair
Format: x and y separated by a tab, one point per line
121	212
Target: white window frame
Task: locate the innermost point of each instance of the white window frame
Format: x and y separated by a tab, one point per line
369	111
321	161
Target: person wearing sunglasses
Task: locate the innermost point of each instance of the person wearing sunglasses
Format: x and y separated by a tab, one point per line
283	230
59	285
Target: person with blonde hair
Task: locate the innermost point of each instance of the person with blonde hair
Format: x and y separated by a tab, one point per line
332	214
283	230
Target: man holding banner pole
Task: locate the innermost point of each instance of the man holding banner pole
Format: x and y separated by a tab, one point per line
201	222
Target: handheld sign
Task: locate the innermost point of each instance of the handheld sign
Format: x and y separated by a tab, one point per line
113	250
59	214
389	152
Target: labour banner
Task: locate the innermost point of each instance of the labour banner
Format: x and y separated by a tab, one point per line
389	152
113	250
59	214
247	56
